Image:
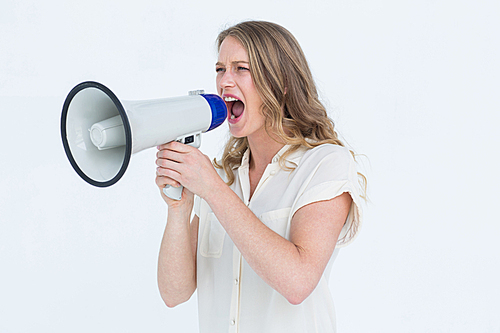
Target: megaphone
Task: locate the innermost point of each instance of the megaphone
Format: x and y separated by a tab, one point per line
100	133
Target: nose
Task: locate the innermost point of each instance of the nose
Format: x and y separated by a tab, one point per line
226	80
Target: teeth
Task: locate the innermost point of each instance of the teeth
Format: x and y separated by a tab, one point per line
232	116
230	99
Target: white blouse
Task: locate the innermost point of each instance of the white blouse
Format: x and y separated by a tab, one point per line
231	296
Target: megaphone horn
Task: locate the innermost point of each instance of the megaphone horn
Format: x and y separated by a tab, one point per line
100	133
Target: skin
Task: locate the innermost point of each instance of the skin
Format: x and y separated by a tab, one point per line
292	267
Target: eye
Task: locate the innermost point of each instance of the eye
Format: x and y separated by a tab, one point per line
241	68
219	69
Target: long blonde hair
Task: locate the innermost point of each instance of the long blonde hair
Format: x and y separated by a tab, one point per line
284	81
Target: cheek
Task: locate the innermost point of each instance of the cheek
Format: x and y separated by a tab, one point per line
255	114
253	94
217	81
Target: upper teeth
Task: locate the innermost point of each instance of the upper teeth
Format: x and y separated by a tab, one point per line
230	99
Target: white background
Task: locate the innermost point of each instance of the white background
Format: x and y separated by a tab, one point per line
413	85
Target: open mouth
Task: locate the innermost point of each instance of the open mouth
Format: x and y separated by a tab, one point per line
235	108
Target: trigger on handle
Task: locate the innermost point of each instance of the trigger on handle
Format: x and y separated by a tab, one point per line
174	193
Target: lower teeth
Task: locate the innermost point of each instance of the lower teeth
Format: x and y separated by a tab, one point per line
232	116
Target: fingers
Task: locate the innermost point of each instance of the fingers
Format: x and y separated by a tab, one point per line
168	159
166	174
162	183
169	162
174	152
184	165
162	180
175	146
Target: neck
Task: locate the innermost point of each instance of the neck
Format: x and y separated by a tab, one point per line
262	150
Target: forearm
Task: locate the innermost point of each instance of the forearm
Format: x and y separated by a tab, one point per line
177	259
279	262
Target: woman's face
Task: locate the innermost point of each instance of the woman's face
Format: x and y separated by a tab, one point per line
235	85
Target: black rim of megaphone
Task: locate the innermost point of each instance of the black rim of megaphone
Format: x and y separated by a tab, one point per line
126	126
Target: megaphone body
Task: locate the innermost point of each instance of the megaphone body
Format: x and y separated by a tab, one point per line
100	133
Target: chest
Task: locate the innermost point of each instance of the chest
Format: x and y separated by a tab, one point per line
254	179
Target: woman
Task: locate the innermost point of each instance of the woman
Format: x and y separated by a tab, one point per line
283	199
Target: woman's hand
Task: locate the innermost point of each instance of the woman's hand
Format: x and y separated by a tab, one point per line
162	181
180	164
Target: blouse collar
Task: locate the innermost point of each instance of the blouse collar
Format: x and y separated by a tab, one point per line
293	157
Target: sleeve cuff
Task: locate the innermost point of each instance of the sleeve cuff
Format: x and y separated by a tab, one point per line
330	190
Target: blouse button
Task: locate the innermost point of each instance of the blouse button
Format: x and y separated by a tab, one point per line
233	322
235	281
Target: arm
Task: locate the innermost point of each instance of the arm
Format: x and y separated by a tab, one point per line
177	257
292	267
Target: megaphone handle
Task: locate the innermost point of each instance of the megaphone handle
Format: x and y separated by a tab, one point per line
174	193
194	139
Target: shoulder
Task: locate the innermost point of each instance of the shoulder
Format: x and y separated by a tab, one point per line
329	149
329	154
328	162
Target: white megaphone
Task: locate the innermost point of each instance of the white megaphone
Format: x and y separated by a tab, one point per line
100	133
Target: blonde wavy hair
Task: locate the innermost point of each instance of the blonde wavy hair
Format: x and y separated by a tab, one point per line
285	84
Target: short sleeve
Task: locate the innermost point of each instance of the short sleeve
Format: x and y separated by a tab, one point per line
331	171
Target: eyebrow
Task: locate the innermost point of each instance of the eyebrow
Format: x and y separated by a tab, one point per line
218	63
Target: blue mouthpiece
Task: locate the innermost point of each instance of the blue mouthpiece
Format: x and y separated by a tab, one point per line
219	110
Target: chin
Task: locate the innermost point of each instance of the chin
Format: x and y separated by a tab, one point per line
236	134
